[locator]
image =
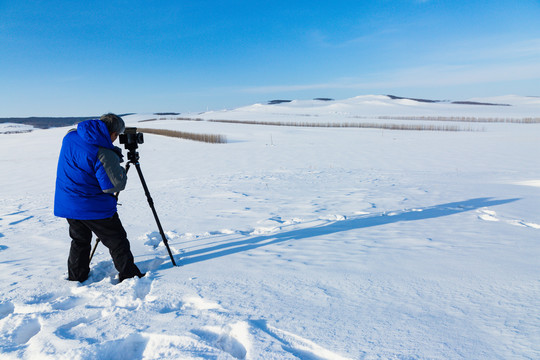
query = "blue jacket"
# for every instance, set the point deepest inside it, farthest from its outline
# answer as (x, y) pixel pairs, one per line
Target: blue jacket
(88, 174)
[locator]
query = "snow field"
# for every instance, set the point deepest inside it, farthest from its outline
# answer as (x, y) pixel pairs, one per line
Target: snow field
(293, 243)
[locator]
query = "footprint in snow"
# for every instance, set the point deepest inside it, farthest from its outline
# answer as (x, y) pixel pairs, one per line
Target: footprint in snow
(69, 330)
(152, 239)
(152, 346)
(490, 215)
(142, 287)
(131, 347)
(172, 307)
(200, 304)
(40, 298)
(67, 302)
(487, 215)
(103, 269)
(524, 224)
(295, 344)
(18, 330)
(226, 338)
(6, 308)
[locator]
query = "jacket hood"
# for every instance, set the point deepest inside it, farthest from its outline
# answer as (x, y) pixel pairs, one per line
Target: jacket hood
(95, 132)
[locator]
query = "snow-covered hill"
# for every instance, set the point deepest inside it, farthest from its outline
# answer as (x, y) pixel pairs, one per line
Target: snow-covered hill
(293, 242)
(383, 105)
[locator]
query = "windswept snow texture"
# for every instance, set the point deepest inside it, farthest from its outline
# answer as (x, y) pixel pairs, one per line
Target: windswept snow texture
(293, 243)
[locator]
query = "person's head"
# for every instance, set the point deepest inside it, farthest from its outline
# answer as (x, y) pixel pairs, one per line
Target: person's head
(115, 125)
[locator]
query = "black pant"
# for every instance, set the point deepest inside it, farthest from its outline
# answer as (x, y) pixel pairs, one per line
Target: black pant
(112, 234)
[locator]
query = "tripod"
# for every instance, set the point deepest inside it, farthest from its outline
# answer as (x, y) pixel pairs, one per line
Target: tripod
(133, 158)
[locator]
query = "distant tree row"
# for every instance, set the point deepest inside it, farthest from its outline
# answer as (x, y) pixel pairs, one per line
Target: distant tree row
(527, 120)
(361, 125)
(208, 138)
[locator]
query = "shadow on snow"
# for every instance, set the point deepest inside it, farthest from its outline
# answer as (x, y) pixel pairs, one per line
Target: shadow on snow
(360, 222)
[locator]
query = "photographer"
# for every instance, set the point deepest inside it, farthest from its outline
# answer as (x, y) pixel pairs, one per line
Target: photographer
(88, 176)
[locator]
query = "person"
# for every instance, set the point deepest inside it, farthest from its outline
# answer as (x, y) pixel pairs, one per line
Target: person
(88, 176)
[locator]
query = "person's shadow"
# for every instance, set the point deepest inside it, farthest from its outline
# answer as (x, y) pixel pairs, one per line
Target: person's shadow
(364, 221)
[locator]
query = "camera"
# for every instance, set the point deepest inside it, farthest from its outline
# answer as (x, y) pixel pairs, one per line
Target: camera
(131, 138)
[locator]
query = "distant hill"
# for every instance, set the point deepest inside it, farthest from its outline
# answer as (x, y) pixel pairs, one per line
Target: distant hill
(46, 122)
(42, 122)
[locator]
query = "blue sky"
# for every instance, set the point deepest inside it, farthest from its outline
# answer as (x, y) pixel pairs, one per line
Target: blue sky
(70, 58)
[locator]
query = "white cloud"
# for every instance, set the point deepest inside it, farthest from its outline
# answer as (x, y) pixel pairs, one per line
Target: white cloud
(503, 62)
(426, 76)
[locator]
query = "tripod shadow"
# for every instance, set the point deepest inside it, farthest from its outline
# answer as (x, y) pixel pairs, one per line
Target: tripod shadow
(234, 247)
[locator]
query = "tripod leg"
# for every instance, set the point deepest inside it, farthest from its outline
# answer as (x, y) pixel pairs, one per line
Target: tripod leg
(94, 250)
(151, 203)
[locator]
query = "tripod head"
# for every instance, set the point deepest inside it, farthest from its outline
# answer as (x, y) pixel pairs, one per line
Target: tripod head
(131, 140)
(133, 156)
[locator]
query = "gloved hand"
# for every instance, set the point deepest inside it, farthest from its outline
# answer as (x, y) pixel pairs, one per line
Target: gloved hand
(118, 152)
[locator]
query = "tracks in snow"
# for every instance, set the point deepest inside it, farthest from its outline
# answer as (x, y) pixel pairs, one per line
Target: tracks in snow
(490, 215)
(95, 321)
(103, 319)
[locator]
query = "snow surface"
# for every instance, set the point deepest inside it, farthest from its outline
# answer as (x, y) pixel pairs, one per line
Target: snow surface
(293, 243)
